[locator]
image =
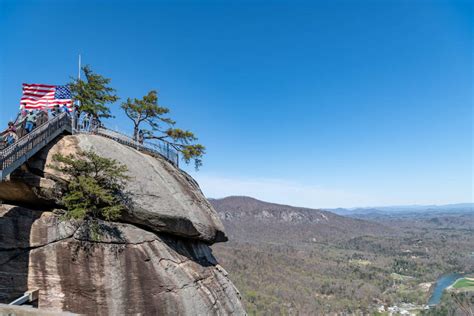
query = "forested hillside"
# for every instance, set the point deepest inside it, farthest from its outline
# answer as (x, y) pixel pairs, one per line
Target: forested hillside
(294, 260)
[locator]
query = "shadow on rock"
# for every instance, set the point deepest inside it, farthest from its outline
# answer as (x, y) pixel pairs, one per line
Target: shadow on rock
(194, 250)
(15, 229)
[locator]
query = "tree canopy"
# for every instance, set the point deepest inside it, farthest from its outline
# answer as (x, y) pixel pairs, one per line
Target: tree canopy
(150, 120)
(145, 110)
(149, 117)
(95, 186)
(93, 93)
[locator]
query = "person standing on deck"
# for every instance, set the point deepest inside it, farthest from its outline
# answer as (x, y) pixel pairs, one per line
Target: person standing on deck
(30, 121)
(21, 123)
(11, 127)
(94, 125)
(86, 121)
(11, 138)
(77, 117)
(55, 111)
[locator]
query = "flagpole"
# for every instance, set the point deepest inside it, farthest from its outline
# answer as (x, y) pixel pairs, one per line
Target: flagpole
(75, 119)
(79, 68)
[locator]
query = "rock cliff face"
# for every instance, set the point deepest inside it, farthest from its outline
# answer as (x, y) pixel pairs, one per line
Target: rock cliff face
(155, 261)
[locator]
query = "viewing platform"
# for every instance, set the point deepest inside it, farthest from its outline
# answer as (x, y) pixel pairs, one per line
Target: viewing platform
(13, 156)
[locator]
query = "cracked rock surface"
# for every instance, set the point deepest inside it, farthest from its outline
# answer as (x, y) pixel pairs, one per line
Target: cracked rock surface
(125, 270)
(156, 261)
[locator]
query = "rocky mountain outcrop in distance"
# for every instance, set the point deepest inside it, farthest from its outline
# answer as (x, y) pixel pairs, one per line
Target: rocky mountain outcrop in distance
(407, 211)
(249, 218)
(241, 206)
(347, 263)
(156, 261)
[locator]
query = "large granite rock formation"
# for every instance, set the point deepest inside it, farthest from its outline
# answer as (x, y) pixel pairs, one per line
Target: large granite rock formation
(165, 199)
(156, 261)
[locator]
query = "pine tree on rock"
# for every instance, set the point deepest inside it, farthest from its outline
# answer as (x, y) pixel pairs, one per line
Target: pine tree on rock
(149, 118)
(93, 93)
(95, 186)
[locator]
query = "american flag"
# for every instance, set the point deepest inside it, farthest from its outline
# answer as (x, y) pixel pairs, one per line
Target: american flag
(38, 96)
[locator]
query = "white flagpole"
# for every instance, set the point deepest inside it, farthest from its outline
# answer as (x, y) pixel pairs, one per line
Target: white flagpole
(75, 122)
(79, 68)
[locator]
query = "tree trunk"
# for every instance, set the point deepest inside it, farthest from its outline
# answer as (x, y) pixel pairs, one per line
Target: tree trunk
(135, 132)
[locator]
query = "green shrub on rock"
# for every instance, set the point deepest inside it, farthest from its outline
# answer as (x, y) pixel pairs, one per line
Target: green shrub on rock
(94, 188)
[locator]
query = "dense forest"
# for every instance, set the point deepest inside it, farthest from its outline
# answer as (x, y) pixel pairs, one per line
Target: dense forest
(285, 260)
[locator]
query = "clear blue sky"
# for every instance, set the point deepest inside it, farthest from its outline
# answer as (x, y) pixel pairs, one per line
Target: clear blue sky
(320, 104)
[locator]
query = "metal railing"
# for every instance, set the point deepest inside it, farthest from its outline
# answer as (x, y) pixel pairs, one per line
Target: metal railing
(15, 155)
(154, 148)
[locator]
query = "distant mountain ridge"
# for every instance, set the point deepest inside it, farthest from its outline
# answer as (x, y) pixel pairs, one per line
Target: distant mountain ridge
(249, 218)
(290, 260)
(241, 206)
(406, 209)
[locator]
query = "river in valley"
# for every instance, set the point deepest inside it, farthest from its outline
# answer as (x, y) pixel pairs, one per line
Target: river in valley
(442, 283)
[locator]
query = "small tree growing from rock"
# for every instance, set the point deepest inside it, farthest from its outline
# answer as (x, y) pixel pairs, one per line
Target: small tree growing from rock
(94, 93)
(148, 116)
(145, 111)
(94, 188)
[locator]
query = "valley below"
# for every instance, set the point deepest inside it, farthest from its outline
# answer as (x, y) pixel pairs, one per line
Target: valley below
(289, 260)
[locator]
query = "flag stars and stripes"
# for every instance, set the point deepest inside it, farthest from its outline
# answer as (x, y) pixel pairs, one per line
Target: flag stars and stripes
(62, 92)
(37, 96)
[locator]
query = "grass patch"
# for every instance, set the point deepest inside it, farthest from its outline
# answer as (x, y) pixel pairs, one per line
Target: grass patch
(360, 262)
(463, 283)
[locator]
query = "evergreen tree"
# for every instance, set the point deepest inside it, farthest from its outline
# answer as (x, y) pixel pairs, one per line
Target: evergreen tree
(95, 186)
(145, 110)
(93, 93)
(148, 116)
